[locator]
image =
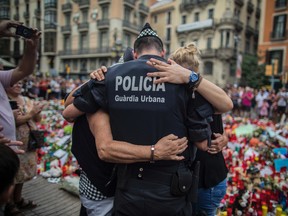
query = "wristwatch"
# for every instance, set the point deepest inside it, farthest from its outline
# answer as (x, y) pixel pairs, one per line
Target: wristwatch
(193, 79)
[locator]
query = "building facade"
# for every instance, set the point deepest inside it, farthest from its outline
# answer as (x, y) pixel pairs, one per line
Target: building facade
(223, 30)
(78, 36)
(273, 41)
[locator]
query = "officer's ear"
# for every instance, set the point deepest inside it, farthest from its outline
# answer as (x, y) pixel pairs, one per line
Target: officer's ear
(135, 55)
(163, 53)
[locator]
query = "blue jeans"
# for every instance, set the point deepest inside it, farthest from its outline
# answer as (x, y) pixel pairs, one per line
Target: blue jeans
(210, 198)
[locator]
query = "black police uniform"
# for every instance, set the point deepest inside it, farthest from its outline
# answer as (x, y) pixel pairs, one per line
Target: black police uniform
(142, 113)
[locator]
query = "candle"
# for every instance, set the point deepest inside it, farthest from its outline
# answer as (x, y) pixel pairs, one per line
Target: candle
(278, 211)
(224, 213)
(264, 210)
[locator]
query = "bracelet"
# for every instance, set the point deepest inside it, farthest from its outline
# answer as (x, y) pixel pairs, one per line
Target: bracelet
(152, 154)
(198, 82)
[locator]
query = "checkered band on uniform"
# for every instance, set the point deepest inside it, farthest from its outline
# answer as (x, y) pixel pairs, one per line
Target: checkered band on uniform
(147, 32)
(87, 189)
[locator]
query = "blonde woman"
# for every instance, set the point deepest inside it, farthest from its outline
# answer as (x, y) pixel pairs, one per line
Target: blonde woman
(213, 170)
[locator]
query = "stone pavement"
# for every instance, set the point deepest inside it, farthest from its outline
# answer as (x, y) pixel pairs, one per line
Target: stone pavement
(50, 199)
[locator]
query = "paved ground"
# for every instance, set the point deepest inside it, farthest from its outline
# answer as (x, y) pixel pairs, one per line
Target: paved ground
(50, 199)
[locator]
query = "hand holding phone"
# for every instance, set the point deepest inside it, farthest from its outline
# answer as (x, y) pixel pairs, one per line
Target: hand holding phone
(13, 105)
(24, 31)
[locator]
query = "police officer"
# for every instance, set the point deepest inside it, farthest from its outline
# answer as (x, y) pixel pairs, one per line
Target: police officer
(96, 193)
(142, 112)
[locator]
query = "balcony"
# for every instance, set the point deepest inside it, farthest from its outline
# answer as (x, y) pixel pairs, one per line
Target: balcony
(84, 26)
(190, 4)
(37, 12)
(100, 2)
(250, 7)
(186, 5)
(84, 4)
(128, 26)
(66, 29)
(26, 15)
(278, 36)
(209, 53)
(143, 8)
(233, 21)
(249, 31)
(226, 53)
(239, 2)
(195, 26)
(50, 5)
(16, 17)
(130, 3)
(50, 26)
(67, 8)
(258, 12)
(103, 23)
(99, 51)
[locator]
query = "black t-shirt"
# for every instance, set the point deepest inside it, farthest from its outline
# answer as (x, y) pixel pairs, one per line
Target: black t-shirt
(84, 149)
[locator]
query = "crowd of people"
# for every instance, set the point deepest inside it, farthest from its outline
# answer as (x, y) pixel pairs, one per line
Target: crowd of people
(247, 101)
(158, 145)
(259, 103)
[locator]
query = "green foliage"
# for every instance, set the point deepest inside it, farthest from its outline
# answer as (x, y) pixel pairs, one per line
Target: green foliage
(253, 75)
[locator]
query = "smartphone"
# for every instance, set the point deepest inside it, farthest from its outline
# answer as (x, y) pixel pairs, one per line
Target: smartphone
(13, 105)
(24, 31)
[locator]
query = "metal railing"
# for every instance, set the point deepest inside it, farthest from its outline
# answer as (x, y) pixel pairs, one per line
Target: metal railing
(26, 15)
(144, 8)
(130, 25)
(66, 28)
(208, 53)
(67, 7)
(279, 35)
(132, 2)
(50, 26)
(83, 3)
(51, 4)
(98, 50)
(103, 23)
(83, 26)
(239, 2)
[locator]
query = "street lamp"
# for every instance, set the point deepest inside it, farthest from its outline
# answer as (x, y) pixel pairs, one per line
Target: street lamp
(238, 73)
(117, 50)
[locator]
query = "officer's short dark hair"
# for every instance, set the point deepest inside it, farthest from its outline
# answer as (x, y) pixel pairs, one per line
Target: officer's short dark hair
(148, 43)
(9, 165)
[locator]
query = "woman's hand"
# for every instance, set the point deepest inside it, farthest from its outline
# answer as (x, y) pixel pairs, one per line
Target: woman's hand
(99, 73)
(5, 26)
(171, 72)
(36, 109)
(218, 143)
